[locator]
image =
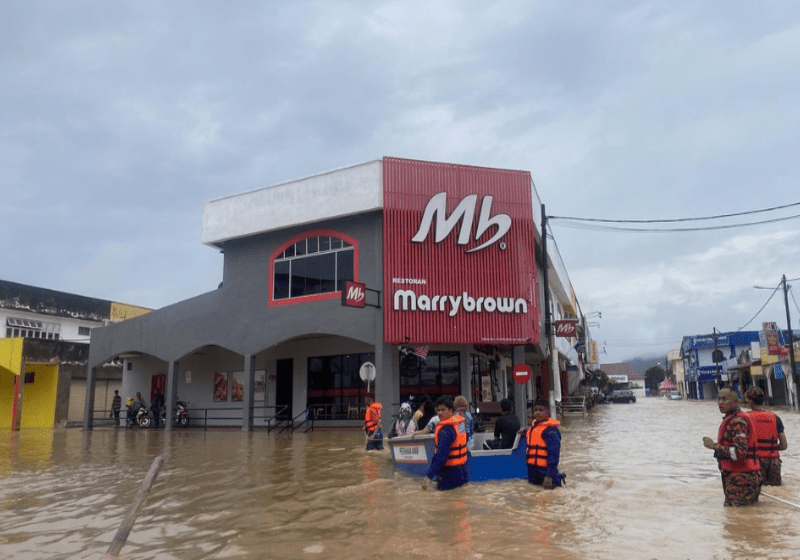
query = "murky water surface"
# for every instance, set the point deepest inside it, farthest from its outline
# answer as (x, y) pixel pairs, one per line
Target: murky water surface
(640, 486)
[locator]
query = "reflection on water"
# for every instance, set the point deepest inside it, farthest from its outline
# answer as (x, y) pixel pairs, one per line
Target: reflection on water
(640, 485)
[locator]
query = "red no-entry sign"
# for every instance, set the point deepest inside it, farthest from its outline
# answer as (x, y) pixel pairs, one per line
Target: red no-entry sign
(522, 373)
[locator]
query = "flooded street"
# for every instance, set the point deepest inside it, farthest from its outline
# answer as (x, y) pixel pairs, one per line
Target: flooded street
(640, 485)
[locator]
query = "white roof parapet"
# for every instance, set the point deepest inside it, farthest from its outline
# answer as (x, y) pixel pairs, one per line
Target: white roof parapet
(342, 192)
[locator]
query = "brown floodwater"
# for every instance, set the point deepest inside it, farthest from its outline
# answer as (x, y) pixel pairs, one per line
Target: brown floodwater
(640, 486)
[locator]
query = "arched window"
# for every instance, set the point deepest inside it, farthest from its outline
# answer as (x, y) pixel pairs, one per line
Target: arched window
(313, 266)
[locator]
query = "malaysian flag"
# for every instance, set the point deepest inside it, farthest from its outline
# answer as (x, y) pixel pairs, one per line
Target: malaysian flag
(421, 351)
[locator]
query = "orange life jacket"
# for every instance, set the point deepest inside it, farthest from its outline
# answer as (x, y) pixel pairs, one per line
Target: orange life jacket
(458, 449)
(766, 427)
(747, 463)
(536, 446)
(372, 419)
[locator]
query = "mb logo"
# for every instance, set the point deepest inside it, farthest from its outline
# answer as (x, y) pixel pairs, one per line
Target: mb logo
(354, 294)
(465, 213)
(565, 328)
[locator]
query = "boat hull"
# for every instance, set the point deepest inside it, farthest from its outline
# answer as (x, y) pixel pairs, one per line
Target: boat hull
(414, 455)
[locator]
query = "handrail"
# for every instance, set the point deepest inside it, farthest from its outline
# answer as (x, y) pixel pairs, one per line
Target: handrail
(306, 415)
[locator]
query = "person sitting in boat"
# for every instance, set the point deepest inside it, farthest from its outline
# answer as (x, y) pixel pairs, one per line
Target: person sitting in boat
(404, 425)
(372, 423)
(505, 428)
(462, 409)
(449, 463)
(429, 428)
(543, 441)
(427, 410)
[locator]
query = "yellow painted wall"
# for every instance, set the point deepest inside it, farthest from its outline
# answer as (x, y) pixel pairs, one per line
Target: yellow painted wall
(10, 363)
(11, 354)
(6, 398)
(122, 311)
(39, 397)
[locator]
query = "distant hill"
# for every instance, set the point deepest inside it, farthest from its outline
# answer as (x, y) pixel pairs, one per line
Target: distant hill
(640, 365)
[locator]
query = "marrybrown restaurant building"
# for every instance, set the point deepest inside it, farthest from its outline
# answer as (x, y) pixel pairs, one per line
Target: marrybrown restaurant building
(430, 271)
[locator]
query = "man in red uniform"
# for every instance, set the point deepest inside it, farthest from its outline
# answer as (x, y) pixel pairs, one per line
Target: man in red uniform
(449, 463)
(372, 423)
(735, 450)
(770, 439)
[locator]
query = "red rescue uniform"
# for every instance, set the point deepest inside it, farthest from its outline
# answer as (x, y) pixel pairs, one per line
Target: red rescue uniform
(749, 461)
(766, 427)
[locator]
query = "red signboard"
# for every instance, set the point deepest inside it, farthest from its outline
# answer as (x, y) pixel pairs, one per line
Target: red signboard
(459, 255)
(565, 328)
(522, 373)
(771, 334)
(354, 294)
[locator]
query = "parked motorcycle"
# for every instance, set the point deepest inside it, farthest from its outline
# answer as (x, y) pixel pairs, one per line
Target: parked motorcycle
(181, 418)
(139, 417)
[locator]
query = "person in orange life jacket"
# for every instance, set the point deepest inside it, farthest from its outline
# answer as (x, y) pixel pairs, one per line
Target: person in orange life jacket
(770, 439)
(543, 443)
(449, 463)
(372, 423)
(735, 449)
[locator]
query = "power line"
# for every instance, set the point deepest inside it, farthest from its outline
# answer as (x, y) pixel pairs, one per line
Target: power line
(577, 224)
(673, 220)
(794, 300)
(762, 308)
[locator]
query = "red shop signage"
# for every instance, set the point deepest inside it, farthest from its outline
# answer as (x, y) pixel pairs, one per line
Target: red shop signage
(354, 294)
(565, 328)
(459, 263)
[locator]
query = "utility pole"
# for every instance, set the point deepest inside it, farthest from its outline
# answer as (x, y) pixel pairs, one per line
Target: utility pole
(718, 375)
(554, 379)
(791, 342)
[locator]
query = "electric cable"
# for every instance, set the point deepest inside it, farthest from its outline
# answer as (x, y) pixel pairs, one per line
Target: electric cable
(577, 224)
(794, 300)
(762, 308)
(672, 220)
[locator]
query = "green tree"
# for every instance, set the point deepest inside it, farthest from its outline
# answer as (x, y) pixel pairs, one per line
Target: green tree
(653, 377)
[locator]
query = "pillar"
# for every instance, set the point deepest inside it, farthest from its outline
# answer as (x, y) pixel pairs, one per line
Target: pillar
(172, 393)
(91, 380)
(249, 387)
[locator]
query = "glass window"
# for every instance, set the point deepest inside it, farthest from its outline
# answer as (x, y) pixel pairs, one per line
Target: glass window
(280, 286)
(344, 267)
(437, 374)
(316, 265)
(335, 389)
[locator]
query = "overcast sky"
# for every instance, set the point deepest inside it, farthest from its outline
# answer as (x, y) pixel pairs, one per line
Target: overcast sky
(119, 120)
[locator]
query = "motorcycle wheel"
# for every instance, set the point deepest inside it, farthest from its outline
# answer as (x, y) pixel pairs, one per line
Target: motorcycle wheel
(144, 422)
(184, 421)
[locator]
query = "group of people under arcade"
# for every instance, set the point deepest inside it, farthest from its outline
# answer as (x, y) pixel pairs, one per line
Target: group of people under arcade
(748, 447)
(453, 426)
(134, 404)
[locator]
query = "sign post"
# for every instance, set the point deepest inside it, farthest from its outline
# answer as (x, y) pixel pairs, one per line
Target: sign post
(367, 373)
(522, 373)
